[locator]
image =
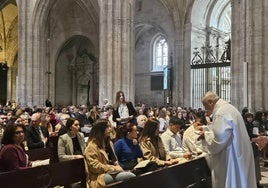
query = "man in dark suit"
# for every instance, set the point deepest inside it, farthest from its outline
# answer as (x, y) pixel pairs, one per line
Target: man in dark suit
(36, 135)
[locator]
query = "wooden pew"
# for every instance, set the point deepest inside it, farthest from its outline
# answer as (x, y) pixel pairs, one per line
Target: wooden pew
(63, 173)
(45, 153)
(192, 174)
(39, 154)
(54, 150)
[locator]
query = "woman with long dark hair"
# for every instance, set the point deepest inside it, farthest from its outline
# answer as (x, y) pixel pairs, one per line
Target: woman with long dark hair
(123, 111)
(152, 145)
(101, 162)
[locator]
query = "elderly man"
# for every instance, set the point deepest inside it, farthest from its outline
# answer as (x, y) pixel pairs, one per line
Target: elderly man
(36, 135)
(230, 152)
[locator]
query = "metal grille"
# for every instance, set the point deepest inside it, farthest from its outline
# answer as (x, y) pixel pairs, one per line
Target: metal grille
(210, 74)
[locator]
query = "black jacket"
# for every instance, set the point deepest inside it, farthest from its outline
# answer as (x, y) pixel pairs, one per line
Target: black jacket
(33, 137)
(131, 111)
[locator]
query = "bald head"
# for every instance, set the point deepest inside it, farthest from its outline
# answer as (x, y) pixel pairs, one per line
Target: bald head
(209, 101)
(36, 119)
(210, 97)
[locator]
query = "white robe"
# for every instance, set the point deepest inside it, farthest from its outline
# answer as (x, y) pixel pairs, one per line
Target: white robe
(230, 152)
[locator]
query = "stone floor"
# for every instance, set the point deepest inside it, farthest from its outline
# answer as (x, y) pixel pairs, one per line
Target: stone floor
(264, 174)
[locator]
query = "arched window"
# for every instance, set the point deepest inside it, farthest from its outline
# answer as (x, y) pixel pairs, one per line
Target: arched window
(160, 54)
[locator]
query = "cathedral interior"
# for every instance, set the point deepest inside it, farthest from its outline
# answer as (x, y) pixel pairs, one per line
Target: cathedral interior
(159, 52)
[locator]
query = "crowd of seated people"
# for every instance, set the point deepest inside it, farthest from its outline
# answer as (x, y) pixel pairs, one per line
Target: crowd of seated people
(112, 139)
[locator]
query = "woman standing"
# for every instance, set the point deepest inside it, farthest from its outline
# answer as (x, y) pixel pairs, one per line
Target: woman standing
(123, 111)
(71, 145)
(12, 154)
(100, 160)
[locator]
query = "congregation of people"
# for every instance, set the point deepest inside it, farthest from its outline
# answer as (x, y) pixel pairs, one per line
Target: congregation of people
(114, 139)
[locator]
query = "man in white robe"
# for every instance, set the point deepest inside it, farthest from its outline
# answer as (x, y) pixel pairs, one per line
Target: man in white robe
(230, 152)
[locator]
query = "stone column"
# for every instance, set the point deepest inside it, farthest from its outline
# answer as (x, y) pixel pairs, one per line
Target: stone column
(116, 63)
(25, 79)
(30, 85)
(250, 44)
(186, 68)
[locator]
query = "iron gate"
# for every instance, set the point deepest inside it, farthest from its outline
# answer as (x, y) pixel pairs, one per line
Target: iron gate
(210, 74)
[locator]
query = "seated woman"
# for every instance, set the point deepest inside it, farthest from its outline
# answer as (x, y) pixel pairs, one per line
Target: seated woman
(71, 145)
(45, 121)
(152, 145)
(100, 160)
(93, 115)
(60, 128)
(127, 148)
(12, 154)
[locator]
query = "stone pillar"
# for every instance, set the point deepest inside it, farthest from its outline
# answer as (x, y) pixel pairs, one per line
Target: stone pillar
(181, 65)
(250, 44)
(30, 82)
(24, 84)
(186, 61)
(116, 62)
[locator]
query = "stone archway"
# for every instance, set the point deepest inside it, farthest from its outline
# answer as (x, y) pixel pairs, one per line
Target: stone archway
(76, 73)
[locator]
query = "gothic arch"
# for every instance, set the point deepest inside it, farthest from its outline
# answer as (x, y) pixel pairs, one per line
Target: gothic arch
(8, 49)
(214, 15)
(76, 72)
(50, 32)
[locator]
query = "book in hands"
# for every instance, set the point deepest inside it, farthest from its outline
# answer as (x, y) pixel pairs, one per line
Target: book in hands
(142, 164)
(40, 162)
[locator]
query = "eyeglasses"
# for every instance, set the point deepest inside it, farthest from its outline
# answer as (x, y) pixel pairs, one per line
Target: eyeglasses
(19, 132)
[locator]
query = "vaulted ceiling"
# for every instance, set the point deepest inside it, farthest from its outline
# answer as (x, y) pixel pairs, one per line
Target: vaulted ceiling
(8, 30)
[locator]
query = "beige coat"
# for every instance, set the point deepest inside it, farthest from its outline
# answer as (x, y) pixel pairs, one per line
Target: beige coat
(150, 152)
(65, 146)
(97, 164)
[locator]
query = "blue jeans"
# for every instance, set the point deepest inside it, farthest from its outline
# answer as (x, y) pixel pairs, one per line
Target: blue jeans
(117, 176)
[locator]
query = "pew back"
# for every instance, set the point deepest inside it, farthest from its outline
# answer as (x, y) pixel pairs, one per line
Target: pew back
(194, 174)
(45, 153)
(63, 173)
(39, 154)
